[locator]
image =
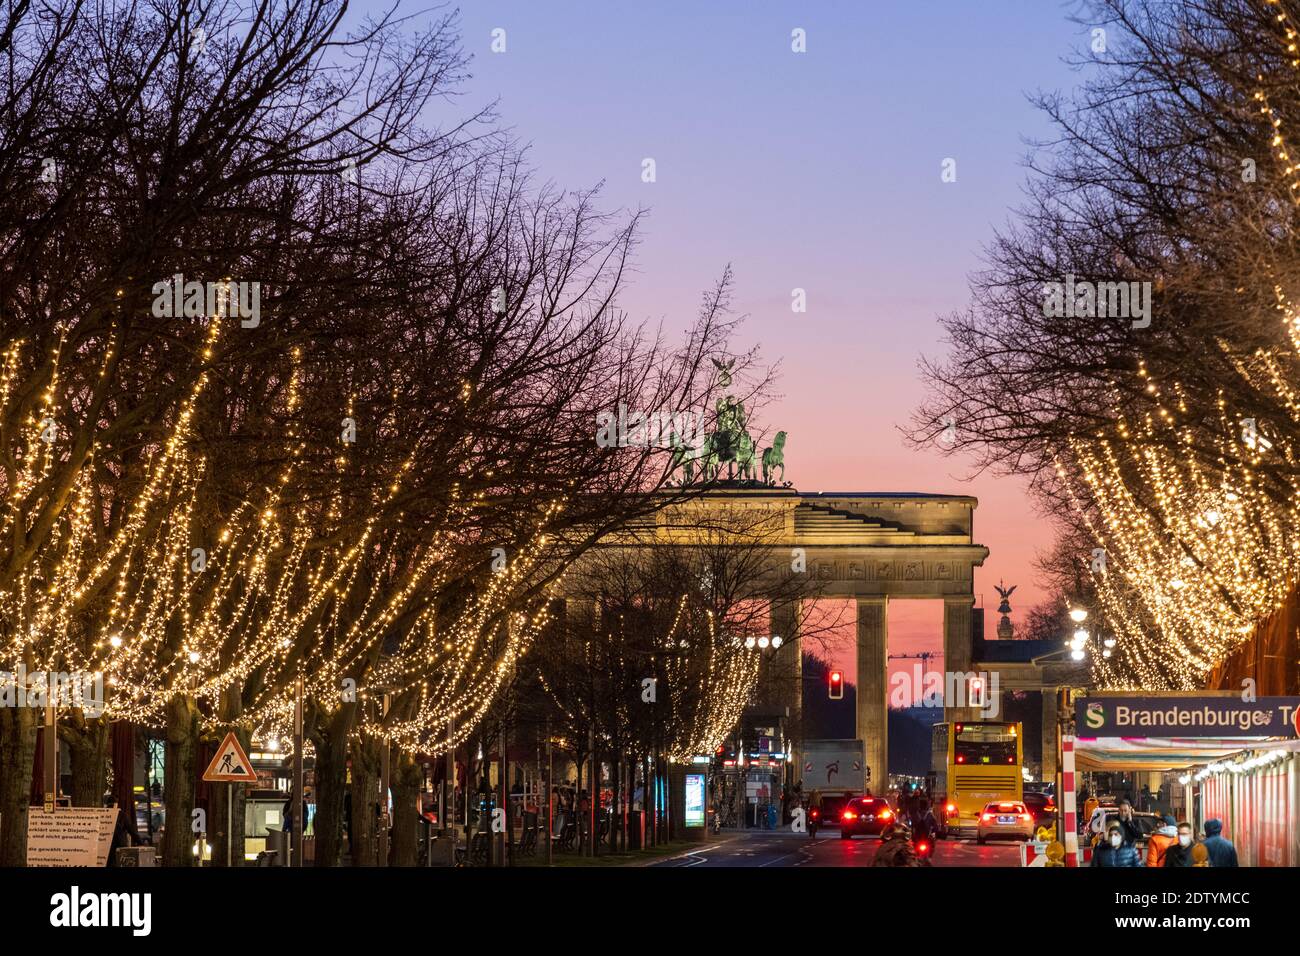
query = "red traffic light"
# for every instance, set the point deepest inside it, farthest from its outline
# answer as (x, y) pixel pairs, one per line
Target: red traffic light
(837, 685)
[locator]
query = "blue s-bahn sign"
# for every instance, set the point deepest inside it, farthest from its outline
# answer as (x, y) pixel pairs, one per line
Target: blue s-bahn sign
(1191, 716)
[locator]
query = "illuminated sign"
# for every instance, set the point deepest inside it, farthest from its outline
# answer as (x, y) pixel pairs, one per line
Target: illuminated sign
(1186, 716)
(695, 789)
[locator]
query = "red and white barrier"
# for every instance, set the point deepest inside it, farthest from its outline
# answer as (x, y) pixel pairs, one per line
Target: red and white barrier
(1034, 853)
(1068, 809)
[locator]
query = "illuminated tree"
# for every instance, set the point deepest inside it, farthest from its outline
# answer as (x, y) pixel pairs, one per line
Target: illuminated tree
(1169, 438)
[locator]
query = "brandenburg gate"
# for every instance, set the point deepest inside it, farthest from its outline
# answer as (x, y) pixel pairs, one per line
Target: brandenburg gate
(871, 547)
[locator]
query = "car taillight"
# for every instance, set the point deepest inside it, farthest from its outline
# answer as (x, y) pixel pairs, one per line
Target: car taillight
(923, 848)
(987, 817)
(1026, 817)
(850, 815)
(951, 808)
(885, 814)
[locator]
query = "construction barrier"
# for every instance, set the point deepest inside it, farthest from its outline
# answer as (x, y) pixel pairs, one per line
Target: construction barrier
(1034, 853)
(1258, 800)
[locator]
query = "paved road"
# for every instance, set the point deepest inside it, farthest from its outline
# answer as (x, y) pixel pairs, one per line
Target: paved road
(764, 848)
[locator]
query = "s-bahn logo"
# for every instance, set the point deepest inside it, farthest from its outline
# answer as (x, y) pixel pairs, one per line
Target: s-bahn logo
(1095, 717)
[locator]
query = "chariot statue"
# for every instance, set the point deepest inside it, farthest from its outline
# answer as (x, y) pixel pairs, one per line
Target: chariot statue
(730, 444)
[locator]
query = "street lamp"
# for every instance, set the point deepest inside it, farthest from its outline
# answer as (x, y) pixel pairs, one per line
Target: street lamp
(1078, 615)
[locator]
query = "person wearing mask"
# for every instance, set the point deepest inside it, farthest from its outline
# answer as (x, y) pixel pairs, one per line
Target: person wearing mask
(1160, 842)
(1127, 824)
(1220, 848)
(1113, 851)
(1179, 853)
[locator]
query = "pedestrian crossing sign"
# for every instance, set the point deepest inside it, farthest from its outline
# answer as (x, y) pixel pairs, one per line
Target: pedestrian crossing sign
(230, 764)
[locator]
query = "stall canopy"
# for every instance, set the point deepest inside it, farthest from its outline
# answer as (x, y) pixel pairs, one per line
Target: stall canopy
(1157, 753)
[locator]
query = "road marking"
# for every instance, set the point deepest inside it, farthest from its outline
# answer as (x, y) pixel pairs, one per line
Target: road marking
(691, 853)
(806, 852)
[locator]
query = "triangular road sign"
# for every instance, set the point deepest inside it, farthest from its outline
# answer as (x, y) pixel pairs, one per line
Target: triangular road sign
(230, 764)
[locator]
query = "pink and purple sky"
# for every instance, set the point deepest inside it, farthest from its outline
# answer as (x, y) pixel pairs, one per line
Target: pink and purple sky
(816, 170)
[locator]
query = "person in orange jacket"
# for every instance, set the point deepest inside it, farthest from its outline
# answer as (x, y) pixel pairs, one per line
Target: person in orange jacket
(1160, 841)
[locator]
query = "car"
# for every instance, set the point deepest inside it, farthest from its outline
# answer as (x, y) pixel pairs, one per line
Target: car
(1005, 818)
(865, 816)
(1041, 807)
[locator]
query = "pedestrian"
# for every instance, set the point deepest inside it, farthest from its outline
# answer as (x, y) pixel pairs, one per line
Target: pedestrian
(287, 815)
(1114, 851)
(121, 833)
(1160, 842)
(1180, 853)
(1128, 825)
(1219, 847)
(923, 821)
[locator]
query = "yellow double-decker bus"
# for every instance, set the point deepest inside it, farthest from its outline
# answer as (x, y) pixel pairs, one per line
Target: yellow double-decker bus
(975, 762)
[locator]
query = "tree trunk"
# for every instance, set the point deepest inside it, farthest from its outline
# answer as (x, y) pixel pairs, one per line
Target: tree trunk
(18, 726)
(365, 800)
(407, 780)
(87, 742)
(178, 781)
(331, 785)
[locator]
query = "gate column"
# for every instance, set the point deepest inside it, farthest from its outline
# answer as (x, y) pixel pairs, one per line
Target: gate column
(872, 688)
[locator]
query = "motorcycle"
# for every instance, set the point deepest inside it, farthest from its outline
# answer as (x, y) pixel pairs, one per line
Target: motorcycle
(899, 846)
(923, 847)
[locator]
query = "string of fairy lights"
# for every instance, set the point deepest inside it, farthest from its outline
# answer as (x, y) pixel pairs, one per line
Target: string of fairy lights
(276, 596)
(705, 677)
(1197, 518)
(1195, 554)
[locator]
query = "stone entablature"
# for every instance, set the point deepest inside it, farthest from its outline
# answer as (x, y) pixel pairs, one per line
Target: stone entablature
(869, 546)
